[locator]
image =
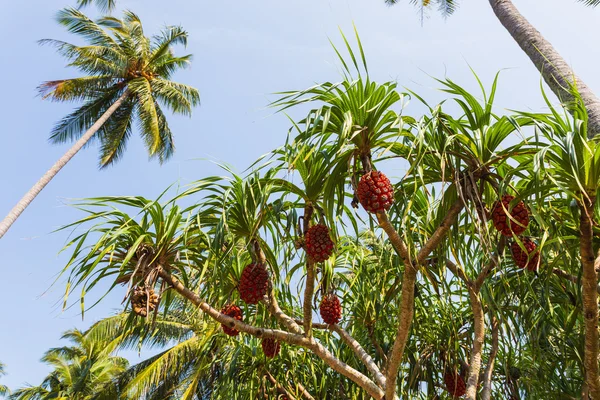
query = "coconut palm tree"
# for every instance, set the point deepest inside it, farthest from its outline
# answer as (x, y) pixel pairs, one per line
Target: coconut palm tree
(3, 389)
(553, 67)
(127, 79)
(78, 371)
(104, 5)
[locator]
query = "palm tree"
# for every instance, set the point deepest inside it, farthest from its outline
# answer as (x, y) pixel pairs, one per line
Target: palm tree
(554, 68)
(104, 5)
(127, 79)
(79, 371)
(3, 389)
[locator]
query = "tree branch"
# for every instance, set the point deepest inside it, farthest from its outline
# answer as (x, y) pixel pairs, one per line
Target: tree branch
(360, 352)
(478, 340)
(489, 369)
(361, 380)
(408, 287)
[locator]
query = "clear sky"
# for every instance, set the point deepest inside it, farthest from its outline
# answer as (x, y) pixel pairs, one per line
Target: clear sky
(243, 52)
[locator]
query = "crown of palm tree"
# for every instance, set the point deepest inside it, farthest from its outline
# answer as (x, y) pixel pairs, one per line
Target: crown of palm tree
(119, 60)
(79, 371)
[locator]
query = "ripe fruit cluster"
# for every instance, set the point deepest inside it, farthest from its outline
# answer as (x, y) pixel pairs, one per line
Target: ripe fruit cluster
(233, 311)
(254, 283)
(318, 243)
(331, 309)
(143, 301)
(509, 221)
(527, 258)
(270, 347)
(455, 384)
(375, 192)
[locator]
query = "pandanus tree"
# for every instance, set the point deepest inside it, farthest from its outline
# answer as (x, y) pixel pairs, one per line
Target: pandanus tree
(461, 278)
(78, 371)
(126, 81)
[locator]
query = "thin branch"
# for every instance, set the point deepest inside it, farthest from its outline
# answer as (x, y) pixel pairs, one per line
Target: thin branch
(440, 232)
(489, 369)
(395, 239)
(360, 352)
(304, 392)
(277, 385)
(309, 290)
(478, 341)
(569, 277)
(459, 272)
(276, 311)
(491, 265)
(361, 380)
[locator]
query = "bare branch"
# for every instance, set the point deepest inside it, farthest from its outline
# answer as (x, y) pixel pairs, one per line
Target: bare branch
(489, 369)
(360, 352)
(361, 380)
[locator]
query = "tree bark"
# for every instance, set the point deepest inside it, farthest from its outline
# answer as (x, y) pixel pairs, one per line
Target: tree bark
(489, 369)
(554, 69)
(478, 340)
(589, 295)
(51, 173)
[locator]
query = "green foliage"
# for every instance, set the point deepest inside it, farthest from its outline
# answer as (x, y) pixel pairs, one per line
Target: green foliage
(79, 372)
(119, 61)
(472, 156)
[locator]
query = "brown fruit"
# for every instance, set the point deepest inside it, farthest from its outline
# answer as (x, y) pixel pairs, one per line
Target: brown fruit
(331, 309)
(520, 216)
(525, 259)
(233, 311)
(142, 301)
(254, 283)
(270, 347)
(455, 384)
(318, 245)
(375, 192)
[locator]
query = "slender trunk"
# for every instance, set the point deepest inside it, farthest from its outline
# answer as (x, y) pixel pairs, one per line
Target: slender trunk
(553, 67)
(489, 369)
(310, 275)
(37, 188)
(589, 295)
(478, 340)
(407, 296)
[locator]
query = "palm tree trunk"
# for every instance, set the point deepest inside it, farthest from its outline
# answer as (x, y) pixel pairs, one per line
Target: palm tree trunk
(51, 173)
(553, 67)
(590, 296)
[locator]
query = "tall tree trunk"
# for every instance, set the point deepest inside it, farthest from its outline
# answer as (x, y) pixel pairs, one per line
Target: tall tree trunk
(553, 67)
(51, 173)
(590, 295)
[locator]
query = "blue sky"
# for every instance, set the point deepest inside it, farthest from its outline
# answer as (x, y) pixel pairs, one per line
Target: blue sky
(243, 52)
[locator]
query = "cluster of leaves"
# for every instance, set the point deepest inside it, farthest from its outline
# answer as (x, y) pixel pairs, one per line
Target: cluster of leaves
(474, 157)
